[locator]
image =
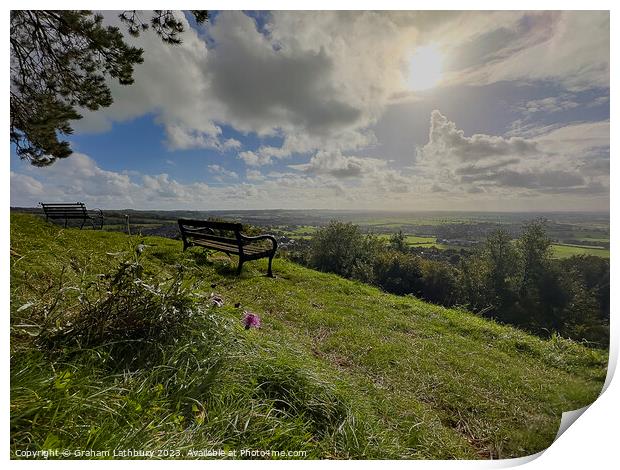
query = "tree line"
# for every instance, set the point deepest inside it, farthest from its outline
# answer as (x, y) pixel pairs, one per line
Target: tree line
(512, 280)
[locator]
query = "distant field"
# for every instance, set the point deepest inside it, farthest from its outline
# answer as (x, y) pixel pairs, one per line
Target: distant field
(414, 240)
(565, 251)
(304, 230)
(397, 222)
(593, 239)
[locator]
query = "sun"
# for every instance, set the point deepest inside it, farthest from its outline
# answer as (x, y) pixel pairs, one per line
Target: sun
(425, 68)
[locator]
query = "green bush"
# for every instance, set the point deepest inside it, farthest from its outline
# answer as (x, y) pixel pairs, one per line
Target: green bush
(398, 273)
(440, 283)
(343, 249)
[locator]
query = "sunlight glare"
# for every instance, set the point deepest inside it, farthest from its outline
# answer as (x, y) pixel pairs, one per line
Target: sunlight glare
(425, 68)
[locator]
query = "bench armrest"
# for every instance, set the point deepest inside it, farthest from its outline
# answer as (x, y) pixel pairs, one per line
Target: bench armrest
(271, 238)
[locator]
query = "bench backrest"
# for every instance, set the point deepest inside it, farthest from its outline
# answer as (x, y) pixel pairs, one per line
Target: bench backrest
(210, 230)
(64, 209)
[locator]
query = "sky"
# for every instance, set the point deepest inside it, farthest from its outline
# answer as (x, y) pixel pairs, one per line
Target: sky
(399, 110)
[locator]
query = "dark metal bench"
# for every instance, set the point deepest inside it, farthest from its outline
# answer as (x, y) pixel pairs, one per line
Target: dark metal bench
(213, 235)
(72, 211)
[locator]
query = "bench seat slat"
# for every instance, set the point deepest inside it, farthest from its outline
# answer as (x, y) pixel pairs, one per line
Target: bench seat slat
(230, 247)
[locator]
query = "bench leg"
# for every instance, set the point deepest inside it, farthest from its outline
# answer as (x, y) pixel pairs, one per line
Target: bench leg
(240, 266)
(269, 273)
(82, 226)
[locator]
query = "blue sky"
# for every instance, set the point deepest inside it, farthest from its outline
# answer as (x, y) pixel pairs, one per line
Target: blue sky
(324, 110)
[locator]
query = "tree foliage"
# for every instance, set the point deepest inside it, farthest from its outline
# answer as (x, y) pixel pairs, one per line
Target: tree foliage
(60, 62)
(398, 242)
(343, 249)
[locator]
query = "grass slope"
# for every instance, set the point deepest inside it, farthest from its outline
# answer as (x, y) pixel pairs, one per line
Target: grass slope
(338, 370)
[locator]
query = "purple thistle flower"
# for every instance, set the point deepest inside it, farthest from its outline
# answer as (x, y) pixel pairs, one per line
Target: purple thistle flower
(250, 320)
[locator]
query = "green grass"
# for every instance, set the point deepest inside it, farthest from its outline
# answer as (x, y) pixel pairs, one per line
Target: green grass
(413, 240)
(339, 369)
(565, 251)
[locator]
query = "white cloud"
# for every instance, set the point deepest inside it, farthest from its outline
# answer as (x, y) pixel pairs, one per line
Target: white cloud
(306, 94)
(254, 175)
(316, 82)
(25, 188)
(222, 172)
(570, 48)
(551, 104)
(569, 159)
(514, 186)
(320, 79)
(340, 166)
(183, 138)
(575, 138)
(446, 141)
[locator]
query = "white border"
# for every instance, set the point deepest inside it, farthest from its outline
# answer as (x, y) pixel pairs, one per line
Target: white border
(590, 442)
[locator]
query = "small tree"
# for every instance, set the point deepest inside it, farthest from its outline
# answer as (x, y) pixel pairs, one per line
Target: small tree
(440, 283)
(343, 249)
(535, 248)
(398, 273)
(473, 281)
(503, 272)
(398, 242)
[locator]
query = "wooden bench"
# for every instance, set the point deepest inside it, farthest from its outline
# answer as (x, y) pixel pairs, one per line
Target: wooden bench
(72, 211)
(214, 236)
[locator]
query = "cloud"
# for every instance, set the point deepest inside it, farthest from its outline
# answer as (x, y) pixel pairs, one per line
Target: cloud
(312, 85)
(318, 80)
(222, 172)
(79, 178)
(340, 166)
(568, 159)
(300, 144)
(182, 138)
(575, 138)
(531, 179)
(268, 82)
(254, 175)
(264, 88)
(570, 48)
(550, 104)
(370, 174)
(447, 141)
(482, 169)
(252, 158)
(24, 187)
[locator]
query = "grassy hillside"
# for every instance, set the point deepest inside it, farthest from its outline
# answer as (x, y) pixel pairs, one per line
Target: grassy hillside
(111, 349)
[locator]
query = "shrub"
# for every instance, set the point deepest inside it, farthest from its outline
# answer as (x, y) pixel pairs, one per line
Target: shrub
(342, 248)
(398, 273)
(119, 307)
(440, 283)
